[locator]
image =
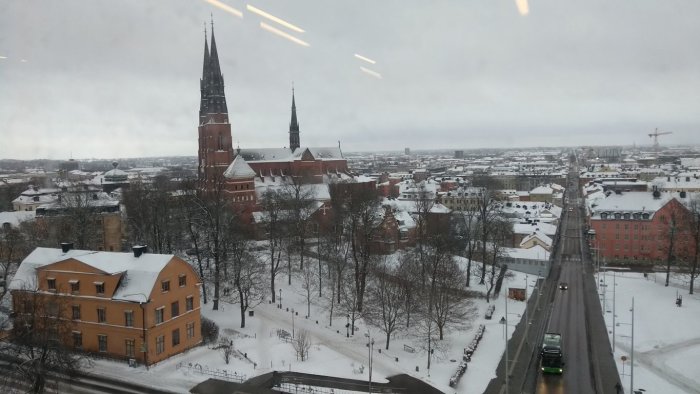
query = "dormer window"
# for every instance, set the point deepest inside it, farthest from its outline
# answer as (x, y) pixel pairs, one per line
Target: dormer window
(618, 216)
(99, 288)
(626, 216)
(645, 216)
(74, 286)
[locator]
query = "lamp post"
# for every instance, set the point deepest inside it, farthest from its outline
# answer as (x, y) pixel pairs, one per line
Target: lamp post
(292, 322)
(506, 323)
(144, 344)
(614, 285)
(632, 352)
(370, 346)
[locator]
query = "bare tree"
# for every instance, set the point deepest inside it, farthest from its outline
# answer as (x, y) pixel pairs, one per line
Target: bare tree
(298, 197)
(468, 231)
(486, 214)
(225, 345)
(14, 246)
(246, 275)
(386, 301)
(452, 307)
(42, 330)
(677, 228)
(363, 221)
(302, 344)
(275, 225)
(307, 277)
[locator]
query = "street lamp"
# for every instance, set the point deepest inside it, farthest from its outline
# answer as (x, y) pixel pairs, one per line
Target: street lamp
(144, 345)
(292, 322)
(370, 346)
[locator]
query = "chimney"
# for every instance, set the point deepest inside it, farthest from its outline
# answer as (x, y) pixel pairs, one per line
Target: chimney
(668, 179)
(683, 194)
(138, 250)
(656, 194)
(66, 246)
(687, 179)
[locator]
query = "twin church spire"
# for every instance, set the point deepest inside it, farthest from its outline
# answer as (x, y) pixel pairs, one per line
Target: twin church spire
(212, 105)
(213, 99)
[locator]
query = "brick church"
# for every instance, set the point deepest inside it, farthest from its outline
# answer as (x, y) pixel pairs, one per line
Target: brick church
(244, 174)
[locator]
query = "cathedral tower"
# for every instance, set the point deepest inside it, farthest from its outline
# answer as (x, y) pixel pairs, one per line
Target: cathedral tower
(215, 144)
(293, 127)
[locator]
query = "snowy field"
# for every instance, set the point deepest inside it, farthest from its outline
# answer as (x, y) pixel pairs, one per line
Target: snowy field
(666, 337)
(332, 353)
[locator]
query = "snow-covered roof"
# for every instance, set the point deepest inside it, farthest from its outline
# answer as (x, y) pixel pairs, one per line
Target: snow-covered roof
(239, 169)
(528, 228)
(322, 153)
(542, 190)
(539, 235)
(536, 252)
(266, 154)
(140, 273)
(631, 202)
(14, 218)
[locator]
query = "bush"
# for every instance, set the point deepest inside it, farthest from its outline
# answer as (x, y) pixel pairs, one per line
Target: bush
(210, 330)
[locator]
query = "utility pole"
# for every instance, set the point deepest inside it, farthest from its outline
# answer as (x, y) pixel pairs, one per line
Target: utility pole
(506, 323)
(632, 352)
(614, 285)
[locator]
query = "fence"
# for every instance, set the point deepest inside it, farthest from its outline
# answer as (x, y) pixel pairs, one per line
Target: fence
(216, 373)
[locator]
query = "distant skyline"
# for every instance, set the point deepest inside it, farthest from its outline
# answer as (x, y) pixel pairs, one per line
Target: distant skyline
(99, 79)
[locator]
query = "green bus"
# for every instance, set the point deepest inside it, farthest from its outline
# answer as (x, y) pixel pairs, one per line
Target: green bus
(552, 357)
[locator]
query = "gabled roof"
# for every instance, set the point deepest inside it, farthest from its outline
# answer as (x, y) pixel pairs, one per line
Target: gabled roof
(239, 169)
(140, 273)
(266, 154)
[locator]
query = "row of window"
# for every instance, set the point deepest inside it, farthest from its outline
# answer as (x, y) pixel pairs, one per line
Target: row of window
(75, 286)
(129, 315)
(626, 226)
(130, 344)
(174, 309)
(181, 281)
(625, 216)
(100, 286)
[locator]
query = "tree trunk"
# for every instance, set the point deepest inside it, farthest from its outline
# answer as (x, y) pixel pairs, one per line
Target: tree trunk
(388, 337)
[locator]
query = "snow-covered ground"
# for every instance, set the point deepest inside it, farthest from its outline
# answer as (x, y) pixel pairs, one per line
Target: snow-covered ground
(666, 337)
(332, 353)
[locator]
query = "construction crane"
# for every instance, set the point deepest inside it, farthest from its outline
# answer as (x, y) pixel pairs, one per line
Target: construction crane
(655, 135)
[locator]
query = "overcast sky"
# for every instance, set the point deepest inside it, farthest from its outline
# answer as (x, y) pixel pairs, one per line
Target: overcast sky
(95, 78)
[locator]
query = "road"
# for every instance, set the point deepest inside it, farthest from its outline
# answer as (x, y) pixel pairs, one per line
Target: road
(574, 313)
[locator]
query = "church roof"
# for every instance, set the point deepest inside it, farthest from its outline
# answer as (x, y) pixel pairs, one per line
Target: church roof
(322, 153)
(239, 169)
(266, 154)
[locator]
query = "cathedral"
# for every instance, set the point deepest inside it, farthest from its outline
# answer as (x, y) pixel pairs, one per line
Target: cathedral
(244, 174)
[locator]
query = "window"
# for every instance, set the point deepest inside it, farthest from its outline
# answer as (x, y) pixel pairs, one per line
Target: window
(102, 343)
(52, 309)
(99, 287)
(77, 339)
(101, 315)
(160, 344)
(190, 330)
(129, 345)
(182, 280)
(176, 337)
(189, 303)
(159, 315)
(174, 309)
(129, 318)
(76, 312)
(51, 283)
(74, 286)
(165, 285)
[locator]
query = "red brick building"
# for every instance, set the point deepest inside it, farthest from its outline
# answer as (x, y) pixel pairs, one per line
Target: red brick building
(638, 226)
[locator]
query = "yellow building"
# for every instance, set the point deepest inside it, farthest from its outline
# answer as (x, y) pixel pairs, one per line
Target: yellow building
(136, 305)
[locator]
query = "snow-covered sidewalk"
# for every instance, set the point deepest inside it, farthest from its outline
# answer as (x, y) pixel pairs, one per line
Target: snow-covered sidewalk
(666, 337)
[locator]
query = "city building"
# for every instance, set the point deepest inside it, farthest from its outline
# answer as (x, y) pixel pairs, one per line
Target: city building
(638, 226)
(136, 305)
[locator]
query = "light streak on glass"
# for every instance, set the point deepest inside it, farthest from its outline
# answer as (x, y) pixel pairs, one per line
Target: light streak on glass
(368, 60)
(225, 7)
(523, 7)
(371, 72)
(282, 34)
(274, 18)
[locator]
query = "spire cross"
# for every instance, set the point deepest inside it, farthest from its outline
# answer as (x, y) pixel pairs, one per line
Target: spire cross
(212, 21)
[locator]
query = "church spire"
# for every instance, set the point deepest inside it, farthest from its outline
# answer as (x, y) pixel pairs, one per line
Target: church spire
(216, 100)
(203, 82)
(294, 126)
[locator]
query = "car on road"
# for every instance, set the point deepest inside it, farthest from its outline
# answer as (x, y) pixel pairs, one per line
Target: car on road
(563, 286)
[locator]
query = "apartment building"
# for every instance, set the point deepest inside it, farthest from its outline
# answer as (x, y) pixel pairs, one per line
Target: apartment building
(136, 306)
(638, 226)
